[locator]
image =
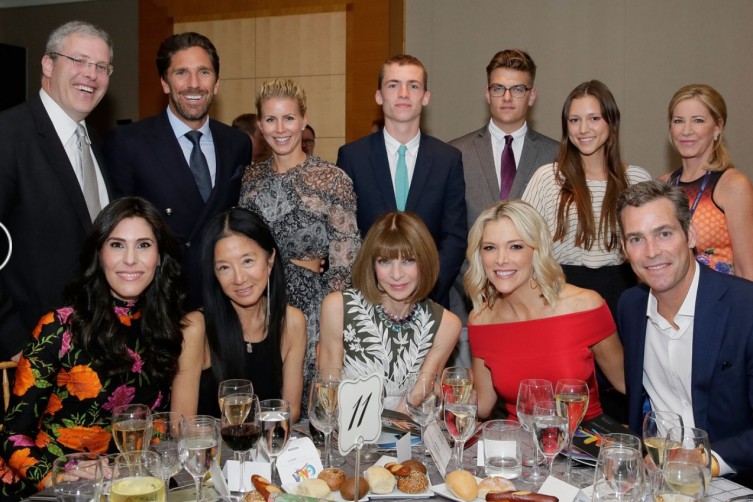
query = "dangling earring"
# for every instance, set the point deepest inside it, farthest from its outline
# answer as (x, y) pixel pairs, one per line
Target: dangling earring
(269, 298)
(533, 282)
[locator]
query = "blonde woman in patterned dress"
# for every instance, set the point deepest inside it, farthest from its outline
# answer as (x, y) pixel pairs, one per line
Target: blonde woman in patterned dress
(385, 324)
(308, 204)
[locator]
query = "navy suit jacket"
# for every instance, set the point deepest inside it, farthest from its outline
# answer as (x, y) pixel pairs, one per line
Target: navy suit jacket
(722, 366)
(43, 208)
(145, 159)
(436, 194)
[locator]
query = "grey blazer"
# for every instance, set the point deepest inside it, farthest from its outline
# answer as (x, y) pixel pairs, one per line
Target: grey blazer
(481, 185)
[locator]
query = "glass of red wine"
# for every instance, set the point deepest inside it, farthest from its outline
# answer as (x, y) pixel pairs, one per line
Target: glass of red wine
(240, 427)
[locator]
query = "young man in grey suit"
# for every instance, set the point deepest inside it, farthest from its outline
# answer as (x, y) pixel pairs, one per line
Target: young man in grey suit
(510, 94)
(186, 164)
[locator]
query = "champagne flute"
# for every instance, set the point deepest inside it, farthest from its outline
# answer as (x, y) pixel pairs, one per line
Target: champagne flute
(233, 386)
(130, 426)
(423, 401)
(549, 430)
(572, 400)
(241, 436)
(460, 419)
(198, 445)
(322, 406)
(138, 476)
(77, 477)
(165, 439)
(530, 392)
(275, 425)
(656, 425)
(692, 446)
(459, 380)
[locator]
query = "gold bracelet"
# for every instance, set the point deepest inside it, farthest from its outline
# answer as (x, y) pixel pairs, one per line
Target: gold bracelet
(714, 465)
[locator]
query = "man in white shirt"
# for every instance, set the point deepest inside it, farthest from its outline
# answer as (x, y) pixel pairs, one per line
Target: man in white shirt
(687, 331)
(51, 178)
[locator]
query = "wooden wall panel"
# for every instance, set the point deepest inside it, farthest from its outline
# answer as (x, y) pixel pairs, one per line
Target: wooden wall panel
(235, 41)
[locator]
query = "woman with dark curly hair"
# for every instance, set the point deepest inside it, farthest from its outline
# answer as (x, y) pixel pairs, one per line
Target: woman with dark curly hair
(116, 341)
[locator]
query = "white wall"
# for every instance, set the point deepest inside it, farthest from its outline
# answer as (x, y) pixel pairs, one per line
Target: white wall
(644, 50)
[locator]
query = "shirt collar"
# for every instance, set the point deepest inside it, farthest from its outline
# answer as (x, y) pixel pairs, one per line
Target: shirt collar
(687, 309)
(64, 125)
(392, 144)
(499, 135)
(180, 128)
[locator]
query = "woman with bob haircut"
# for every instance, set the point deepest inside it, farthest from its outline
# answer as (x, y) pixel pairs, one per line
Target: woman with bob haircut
(117, 341)
(720, 196)
(246, 328)
(385, 324)
(577, 194)
(308, 203)
(527, 322)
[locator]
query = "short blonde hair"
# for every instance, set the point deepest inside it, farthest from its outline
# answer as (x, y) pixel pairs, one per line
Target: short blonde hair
(280, 88)
(534, 231)
(714, 102)
(397, 235)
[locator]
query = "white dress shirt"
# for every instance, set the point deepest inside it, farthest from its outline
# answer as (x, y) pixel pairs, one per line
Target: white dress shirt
(498, 144)
(206, 143)
(410, 155)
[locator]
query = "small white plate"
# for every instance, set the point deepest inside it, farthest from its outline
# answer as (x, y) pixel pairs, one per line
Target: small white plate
(397, 494)
(445, 492)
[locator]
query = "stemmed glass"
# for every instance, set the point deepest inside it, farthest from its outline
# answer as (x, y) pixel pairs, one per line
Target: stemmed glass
(530, 392)
(618, 475)
(138, 476)
(200, 438)
(322, 406)
(77, 477)
(275, 424)
(691, 445)
(656, 425)
(460, 419)
(130, 426)
(572, 401)
(233, 386)
(165, 439)
(240, 428)
(549, 430)
(423, 401)
(459, 380)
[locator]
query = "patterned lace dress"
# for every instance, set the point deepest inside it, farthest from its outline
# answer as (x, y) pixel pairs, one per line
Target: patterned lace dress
(311, 210)
(62, 403)
(376, 346)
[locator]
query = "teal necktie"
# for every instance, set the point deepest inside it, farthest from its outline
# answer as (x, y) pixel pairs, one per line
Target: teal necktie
(401, 179)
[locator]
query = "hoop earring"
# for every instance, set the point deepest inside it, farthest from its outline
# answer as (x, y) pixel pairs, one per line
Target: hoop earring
(533, 282)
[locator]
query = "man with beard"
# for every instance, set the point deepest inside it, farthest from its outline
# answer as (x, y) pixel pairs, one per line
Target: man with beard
(186, 164)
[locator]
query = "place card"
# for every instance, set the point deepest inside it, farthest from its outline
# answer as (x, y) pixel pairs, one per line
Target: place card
(299, 461)
(359, 412)
(403, 448)
(480, 457)
(438, 448)
(232, 472)
(562, 490)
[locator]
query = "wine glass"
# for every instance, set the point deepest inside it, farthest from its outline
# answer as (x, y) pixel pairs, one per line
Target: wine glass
(241, 436)
(77, 477)
(572, 400)
(549, 430)
(233, 386)
(423, 401)
(138, 475)
(198, 445)
(689, 444)
(530, 392)
(682, 478)
(459, 380)
(621, 467)
(165, 439)
(460, 418)
(275, 425)
(656, 425)
(322, 406)
(130, 426)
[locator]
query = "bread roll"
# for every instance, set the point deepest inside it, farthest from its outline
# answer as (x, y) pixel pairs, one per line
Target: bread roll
(333, 477)
(415, 482)
(494, 484)
(348, 488)
(380, 480)
(415, 465)
(462, 484)
(316, 488)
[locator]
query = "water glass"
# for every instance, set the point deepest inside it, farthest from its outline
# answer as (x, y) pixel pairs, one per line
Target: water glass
(460, 419)
(622, 470)
(549, 430)
(502, 448)
(138, 475)
(423, 400)
(199, 444)
(165, 439)
(77, 477)
(276, 427)
(322, 406)
(531, 391)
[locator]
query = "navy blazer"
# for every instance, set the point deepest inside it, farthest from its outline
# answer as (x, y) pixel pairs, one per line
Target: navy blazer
(436, 194)
(722, 366)
(145, 159)
(43, 208)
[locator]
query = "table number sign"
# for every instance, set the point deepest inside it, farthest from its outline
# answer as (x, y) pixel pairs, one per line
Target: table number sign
(359, 412)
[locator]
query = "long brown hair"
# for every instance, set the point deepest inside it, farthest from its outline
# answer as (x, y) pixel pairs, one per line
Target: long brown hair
(572, 178)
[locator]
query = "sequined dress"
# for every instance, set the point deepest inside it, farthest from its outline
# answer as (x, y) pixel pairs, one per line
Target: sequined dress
(311, 210)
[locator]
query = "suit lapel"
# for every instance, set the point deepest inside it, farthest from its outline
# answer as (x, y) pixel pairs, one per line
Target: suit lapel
(170, 158)
(421, 173)
(57, 158)
(483, 145)
(708, 332)
(380, 166)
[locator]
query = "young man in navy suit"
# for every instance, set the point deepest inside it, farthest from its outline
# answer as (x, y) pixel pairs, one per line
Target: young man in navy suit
(432, 185)
(687, 330)
(153, 157)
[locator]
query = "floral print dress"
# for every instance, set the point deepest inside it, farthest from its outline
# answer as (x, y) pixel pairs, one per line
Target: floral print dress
(60, 403)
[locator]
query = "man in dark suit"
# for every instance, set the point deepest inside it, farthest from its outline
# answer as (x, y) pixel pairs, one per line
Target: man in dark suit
(687, 331)
(510, 93)
(188, 180)
(48, 193)
(400, 162)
